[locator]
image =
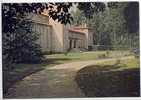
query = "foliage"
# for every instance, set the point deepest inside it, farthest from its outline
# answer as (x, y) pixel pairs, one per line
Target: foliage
(19, 42)
(57, 11)
(131, 13)
(78, 17)
(112, 26)
(20, 46)
(89, 8)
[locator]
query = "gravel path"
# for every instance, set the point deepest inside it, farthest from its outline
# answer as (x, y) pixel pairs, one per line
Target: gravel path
(57, 81)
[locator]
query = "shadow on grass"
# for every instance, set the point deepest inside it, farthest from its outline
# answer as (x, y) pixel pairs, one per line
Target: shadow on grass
(10, 77)
(108, 81)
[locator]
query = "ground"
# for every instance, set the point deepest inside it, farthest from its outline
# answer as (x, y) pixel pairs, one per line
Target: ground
(57, 78)
(121, 79)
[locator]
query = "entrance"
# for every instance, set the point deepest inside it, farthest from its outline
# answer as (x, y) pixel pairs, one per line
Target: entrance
(70, 43)
(74, 46)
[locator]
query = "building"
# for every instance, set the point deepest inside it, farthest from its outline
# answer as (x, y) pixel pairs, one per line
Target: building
(56, 37)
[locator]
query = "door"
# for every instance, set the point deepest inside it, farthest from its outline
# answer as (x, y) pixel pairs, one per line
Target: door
(70, 44)
(74, 44)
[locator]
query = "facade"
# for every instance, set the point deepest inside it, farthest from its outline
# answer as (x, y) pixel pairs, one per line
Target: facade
(56, 37)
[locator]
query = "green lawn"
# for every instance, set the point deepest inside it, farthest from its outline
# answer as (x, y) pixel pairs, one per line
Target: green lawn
(81, 56)
(128, 63)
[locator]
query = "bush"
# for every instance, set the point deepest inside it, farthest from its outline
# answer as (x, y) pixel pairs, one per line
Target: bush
(20, 46)
(102, 56)
(90, 48)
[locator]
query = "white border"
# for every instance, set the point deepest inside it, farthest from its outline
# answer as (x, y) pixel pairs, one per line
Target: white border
(30, 1)
(0, 56)
(140, 41)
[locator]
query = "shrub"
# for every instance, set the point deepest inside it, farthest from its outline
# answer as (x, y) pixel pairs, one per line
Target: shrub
(102, 56)
(90, 48)
(20, 46)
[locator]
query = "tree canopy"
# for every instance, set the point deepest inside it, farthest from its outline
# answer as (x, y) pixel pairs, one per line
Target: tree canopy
(131, 13)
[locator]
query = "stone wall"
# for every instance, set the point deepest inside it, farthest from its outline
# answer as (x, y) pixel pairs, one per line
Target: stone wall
(51, 33)
(44, 32)
(40, 25)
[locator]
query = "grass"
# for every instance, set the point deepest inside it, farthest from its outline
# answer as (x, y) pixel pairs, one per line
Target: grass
(22, 70)
(110, 79)
(130, 63)
(87, 56)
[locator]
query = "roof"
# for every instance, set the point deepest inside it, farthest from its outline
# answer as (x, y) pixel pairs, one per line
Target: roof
(41, 23)
(76, 31)
(83, 28)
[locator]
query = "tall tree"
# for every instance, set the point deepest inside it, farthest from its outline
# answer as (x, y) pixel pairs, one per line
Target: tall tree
(131, 14)
(112, 22)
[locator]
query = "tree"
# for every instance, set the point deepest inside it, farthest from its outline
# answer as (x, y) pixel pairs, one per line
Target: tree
(131, 14)
(20, 46)
(112, 22)
(78, 17)
(89, 8)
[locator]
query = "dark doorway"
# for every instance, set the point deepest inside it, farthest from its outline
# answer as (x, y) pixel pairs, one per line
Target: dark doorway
(74, 44)
(70, 44)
